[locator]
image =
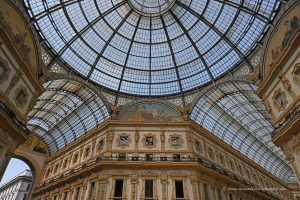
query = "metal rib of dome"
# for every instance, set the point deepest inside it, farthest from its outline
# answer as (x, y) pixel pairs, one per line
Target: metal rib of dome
(151, 47)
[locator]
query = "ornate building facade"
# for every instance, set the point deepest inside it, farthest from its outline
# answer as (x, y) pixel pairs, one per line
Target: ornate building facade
(160, 100)
(17, 188)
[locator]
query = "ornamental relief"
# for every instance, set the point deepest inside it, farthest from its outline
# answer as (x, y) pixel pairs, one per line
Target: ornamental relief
(296, 74)
(21, 96)
(287, 85)
(123, 140)
(279, 99)
(175, 141)
(4, 70)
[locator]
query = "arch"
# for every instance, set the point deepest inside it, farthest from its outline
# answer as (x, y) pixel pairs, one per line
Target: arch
(18, 13)
(232, 111)
(66, 110)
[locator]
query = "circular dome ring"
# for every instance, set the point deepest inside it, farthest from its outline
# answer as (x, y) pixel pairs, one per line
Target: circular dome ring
(152, 47)
(151, 8)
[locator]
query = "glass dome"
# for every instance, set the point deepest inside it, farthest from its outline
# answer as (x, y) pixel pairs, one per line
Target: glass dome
(151, 47)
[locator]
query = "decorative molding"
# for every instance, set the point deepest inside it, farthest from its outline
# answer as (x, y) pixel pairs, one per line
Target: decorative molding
(287, 85)
(21, 96)
(280, 106)
(123, 140)
(179, 141)
(5, 73)
(296, 74)
(152, 137)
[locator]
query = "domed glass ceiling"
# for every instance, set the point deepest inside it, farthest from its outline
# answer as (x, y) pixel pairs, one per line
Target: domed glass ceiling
(151, 47)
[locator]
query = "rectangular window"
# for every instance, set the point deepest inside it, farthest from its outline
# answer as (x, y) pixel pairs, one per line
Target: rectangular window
(176, 157)
(148, 189)
(118, 189)
(149, 157)
(122, 156)
(219, 194)
(65, 196)
(205, 187)
(179, 189)
(230, 197)
(92, 191)
(149, 141)
(175, 141)
(55, 197)
(76, 194)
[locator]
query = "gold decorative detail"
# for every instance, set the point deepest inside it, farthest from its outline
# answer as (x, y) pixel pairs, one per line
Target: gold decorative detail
(279, 99)
(17, 38)
(175, 141)
(99, 145)
(210, 153)
(21, 96)
(149, 141)
(221, 159)
(123, 140)
(287, 85)
(4, 70)
(198, 146)
(87, 152)
(296, 74)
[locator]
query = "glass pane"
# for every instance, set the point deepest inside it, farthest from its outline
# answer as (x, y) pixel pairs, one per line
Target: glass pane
(179, 189)
(148, 188)
(118, 188)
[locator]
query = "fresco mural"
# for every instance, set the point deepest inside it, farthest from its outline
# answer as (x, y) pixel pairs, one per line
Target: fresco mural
(283, 32)
(149, 112)
(33, 144)
(15, 28)
(292, 25)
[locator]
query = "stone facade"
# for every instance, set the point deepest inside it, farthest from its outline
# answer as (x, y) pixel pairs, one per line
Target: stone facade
(18, 188)
(117, 151)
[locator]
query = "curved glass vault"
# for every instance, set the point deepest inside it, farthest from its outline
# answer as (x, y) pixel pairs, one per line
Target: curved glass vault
(64, 112)
(156, 47)
(234, 113)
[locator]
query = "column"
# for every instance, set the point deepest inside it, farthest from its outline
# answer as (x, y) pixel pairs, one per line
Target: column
(109, 140)
(134, 183)
(162, 140)
(101, 187)
(164, 183)
(189, 139)
(195, 187)
(136, 142)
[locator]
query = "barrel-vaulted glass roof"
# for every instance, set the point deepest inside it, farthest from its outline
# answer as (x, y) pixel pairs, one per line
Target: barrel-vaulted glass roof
(151, 47)
(65, 111)
(234, 113)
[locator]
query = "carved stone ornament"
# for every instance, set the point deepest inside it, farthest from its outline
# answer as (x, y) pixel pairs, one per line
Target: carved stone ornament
(296, 74)
(287, 85)
(279, 99)
(21, 96)
(4, 70)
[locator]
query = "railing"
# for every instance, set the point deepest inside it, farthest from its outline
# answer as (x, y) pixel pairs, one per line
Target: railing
(133, 159)
(288, 120)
